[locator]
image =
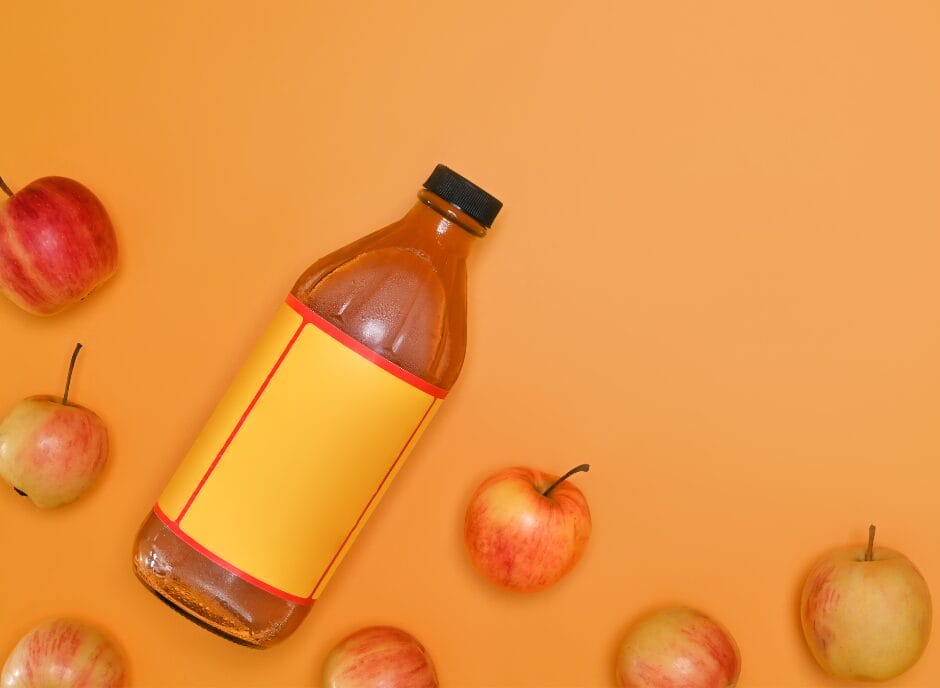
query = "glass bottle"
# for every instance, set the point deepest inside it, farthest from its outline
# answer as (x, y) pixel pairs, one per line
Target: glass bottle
(314, 427)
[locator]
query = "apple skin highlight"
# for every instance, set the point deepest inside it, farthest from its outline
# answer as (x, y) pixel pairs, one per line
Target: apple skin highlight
(67, 654)
(866, 619)
(379, 657)
(521, 539)
(50, 451)
(678, 647)
(57, 244)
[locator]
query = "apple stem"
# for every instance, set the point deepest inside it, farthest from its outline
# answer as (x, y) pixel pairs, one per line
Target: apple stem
(6, 189)
(583, 468)
(870, 552)
(20, 492)
(68, 380)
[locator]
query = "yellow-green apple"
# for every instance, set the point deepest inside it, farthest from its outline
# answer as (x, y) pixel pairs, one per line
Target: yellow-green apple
(866, 612)
(524, 529)
(678, 647)
(56, 244)
(64, 653)
(51, 450)
(379, 657)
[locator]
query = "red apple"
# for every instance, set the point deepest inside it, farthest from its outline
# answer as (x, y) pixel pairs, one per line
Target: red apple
(678, 647)
(56, 244)
(525, 529)
(52, 450)
(379, 657)
(66, 654)
(866, 613)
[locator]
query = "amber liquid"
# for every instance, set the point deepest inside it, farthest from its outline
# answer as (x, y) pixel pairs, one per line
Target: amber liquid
(401, 291)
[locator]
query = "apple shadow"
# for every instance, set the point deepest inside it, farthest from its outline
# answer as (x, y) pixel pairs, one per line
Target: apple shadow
(796, 617)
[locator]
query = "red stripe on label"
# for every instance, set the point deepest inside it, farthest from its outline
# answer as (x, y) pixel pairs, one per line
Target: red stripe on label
(332, 330)
(309, 317)
(373, 497)
(238, 425)
(248, 578)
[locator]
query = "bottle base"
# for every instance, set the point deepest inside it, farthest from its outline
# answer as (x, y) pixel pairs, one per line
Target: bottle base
(208, 594)
(198, 620)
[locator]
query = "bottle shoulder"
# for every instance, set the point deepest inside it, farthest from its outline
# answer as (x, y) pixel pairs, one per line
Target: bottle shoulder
(395, 299)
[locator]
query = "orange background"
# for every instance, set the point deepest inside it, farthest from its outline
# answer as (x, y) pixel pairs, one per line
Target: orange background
(715, 279)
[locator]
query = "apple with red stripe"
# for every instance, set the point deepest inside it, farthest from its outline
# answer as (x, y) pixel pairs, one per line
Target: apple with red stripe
(678, 647)
(51, 450)
(379, 657)
(57, 244)
(866, 612)
(64, 653)
(524, 529)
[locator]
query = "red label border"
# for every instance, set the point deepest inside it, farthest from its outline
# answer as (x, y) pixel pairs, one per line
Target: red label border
(247, 577)
(309, 317)
(332, 330)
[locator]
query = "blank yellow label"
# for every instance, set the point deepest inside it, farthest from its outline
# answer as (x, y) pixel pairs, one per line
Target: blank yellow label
(296, 455)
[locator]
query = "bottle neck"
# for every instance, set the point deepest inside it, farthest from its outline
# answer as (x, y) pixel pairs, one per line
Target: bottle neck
(436, 225)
